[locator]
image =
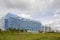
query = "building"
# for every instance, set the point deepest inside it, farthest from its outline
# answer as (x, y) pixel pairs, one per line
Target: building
(14, 21)
(46, 28)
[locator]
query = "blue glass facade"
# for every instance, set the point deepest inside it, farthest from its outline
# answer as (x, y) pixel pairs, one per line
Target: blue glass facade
(6, 23)
(13, 21)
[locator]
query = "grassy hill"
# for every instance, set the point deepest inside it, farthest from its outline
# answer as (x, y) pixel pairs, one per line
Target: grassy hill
(28, 36)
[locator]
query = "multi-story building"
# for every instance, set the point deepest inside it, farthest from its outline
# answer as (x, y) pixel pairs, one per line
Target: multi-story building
(13, 21)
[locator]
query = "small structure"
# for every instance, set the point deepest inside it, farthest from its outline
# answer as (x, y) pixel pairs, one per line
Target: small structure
(46, 29)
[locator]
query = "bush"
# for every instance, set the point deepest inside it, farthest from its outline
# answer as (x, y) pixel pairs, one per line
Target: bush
(0, 30)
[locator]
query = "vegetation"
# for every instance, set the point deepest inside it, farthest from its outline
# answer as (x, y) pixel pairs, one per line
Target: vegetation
(16, 30)
(8, 35)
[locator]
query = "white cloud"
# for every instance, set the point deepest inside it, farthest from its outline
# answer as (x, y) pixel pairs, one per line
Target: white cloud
(55, 22)
(25, 16)
(37, 9)
(3, 12)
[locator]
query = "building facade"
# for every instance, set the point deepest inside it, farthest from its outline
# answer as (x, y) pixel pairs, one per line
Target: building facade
(13, 21)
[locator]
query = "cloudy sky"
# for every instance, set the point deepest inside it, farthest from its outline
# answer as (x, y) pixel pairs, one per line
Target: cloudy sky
(41, 10)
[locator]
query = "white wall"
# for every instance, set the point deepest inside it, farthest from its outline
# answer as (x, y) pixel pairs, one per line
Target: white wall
(2, 27)
(0, 24)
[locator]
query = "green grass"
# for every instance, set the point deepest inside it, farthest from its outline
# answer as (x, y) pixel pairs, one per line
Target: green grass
(28, 36)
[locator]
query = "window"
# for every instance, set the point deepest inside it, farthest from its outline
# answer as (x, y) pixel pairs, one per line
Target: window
(6, 23)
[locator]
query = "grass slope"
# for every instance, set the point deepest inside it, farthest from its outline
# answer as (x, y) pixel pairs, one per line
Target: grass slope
(28, 36)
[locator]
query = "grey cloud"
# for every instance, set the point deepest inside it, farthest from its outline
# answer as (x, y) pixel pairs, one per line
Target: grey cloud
(19, 5)
(56, 4)
(36, 8)
(26, 4)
